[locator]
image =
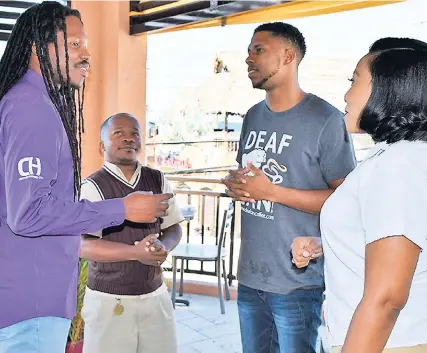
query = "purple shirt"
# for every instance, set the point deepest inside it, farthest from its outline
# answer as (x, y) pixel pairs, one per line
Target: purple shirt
(40, 223)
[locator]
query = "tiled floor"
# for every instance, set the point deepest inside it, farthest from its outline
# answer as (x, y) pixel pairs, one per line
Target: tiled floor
(201, 327)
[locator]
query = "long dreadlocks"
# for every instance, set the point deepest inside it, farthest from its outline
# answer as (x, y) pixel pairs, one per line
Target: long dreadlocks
(40, 25)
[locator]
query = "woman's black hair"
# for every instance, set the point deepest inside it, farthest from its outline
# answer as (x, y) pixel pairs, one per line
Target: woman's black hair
(397, 107)
(387, 43)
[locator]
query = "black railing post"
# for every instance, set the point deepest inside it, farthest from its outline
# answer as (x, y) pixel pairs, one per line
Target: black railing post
(230, 271)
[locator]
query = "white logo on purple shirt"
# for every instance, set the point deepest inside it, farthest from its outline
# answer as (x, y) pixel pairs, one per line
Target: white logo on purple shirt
(30, 167)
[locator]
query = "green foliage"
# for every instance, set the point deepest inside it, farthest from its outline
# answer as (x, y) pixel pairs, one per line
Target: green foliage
(77, 325)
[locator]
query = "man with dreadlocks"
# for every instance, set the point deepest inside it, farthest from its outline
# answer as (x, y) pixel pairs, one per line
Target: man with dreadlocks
(42, 70)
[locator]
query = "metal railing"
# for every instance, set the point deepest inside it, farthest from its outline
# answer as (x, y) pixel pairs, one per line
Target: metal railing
(192, 156)
(208, 205)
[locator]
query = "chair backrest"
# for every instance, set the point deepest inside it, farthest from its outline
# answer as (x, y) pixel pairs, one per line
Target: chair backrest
(225, 227)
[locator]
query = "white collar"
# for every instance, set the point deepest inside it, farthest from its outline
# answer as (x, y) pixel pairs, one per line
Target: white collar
(376, 150)
(115, 171)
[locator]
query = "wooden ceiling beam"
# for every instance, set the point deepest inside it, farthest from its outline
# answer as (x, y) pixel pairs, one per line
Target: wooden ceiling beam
(4, 36)
(17, 4)
(9, 15)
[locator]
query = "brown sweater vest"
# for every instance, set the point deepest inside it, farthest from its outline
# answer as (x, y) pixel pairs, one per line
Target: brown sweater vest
(128, 277)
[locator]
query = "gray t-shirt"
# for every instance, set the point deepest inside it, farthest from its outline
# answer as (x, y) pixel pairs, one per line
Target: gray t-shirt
(304, 147)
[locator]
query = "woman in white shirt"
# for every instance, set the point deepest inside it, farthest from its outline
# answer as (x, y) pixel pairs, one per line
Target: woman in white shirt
(374, 226)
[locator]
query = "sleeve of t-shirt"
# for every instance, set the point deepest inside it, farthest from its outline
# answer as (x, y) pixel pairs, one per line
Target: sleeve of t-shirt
(174, 214)
(394, 201)
(32, 138)
(336, 153)
(91, 192)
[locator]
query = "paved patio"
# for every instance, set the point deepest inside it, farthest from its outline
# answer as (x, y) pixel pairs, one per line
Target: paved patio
(201, 327)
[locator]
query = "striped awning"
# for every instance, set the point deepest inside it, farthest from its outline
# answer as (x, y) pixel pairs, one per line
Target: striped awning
(10, 11)
(156, 16)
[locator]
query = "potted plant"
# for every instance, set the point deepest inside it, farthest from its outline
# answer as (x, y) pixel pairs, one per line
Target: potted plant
(75, 336)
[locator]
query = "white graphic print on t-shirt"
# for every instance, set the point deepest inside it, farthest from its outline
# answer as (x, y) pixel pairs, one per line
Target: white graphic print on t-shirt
(258, 149)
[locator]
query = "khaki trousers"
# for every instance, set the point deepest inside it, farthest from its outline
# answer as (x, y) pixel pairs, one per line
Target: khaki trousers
(146, 325)
(416, 349)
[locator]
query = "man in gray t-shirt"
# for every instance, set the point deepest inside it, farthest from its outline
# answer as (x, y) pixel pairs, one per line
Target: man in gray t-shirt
(294, 151)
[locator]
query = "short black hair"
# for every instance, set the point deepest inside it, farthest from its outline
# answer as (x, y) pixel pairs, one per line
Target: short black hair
(397, 107)
(288, 32)
(107, 121)
(388, 43)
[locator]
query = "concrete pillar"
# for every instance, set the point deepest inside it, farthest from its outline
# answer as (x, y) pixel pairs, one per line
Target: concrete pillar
(117, 80)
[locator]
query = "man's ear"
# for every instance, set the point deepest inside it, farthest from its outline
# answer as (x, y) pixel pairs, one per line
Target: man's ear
(101, 147)
(290, 55)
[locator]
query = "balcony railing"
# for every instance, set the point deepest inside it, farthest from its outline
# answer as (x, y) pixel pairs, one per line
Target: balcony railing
(207, 199)
(193, 157)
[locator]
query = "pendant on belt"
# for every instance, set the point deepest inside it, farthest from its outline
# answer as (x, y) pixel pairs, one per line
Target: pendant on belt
(119, 308)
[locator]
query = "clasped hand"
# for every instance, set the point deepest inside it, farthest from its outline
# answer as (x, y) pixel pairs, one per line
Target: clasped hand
(248, 184)
(151, 251)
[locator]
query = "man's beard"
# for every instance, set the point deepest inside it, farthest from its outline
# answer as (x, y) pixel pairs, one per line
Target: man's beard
(260, 84)
(126, 161)
(64, 84)
(66, 75)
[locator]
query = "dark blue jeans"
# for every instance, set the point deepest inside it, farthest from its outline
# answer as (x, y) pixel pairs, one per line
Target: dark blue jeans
(276, 323)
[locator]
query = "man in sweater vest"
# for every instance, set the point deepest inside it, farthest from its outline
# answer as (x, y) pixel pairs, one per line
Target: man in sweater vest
(127, 307)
